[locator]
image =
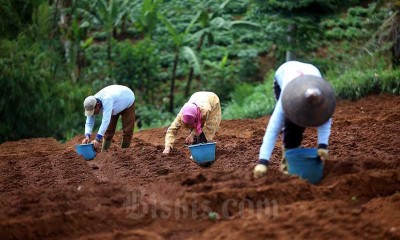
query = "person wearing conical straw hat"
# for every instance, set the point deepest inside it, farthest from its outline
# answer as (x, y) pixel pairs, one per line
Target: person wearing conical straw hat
(304, 99)
(201, 114)
(112, 101)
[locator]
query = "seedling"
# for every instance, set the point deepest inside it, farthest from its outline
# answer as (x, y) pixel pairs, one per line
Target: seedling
(213, 216)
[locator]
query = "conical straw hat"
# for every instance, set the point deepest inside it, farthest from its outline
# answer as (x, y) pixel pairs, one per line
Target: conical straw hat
(308, 101)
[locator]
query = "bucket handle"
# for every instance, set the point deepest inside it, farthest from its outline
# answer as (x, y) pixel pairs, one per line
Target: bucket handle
(187, 145)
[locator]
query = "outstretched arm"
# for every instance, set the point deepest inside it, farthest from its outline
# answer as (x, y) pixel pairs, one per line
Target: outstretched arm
(272, 132)
(324, 132)
(271, 135)
(88, 128)
(172, 131)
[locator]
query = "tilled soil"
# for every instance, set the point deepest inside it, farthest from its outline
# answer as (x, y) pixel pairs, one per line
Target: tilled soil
(47, 191)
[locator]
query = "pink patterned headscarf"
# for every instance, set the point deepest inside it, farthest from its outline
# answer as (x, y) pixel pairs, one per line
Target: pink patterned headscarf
(191, 115)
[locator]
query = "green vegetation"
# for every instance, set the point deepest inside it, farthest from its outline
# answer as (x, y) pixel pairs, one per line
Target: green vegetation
(361, 81)
(251, 101)
(55, 53)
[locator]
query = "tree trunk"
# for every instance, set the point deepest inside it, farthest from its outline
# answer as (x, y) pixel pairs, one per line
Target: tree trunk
(123, 27)
(289, 54)
(396, 42)
(65, 23)
(172, 89)
(58, 8)
(187, 88)
(191, 73)
(68, 44)
(109, 58)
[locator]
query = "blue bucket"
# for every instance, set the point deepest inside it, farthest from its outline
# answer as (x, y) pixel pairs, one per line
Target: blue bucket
(203, 152)
(86, 150)
(305, 163)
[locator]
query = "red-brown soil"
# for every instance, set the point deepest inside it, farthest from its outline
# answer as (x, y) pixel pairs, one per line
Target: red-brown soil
(47, 191)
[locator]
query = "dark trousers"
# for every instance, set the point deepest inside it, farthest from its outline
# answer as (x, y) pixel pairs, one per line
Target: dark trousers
(292, 134)
(200, 139)
(128, 124)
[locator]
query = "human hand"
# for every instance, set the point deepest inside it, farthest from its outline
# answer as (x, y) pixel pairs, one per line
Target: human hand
(166, 150)
(85, 141)
(189, 139)
(259, 170)
(323, 154)
(96, 143)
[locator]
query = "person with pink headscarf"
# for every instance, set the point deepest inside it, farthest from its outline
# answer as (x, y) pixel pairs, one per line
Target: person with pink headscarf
(201, 114)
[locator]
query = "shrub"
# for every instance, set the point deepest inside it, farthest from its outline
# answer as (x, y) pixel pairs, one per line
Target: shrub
(137, 66)
(250, 101)
(152, 117)
(248, 65)
(367, 75)
(34, 102)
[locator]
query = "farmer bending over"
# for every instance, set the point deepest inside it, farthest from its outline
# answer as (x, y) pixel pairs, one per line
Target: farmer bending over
(201, 114)
(111, 101)
(304, 99)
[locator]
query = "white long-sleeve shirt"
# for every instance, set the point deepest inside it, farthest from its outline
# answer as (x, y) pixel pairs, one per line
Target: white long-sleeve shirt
(114, 99)
(286, 73)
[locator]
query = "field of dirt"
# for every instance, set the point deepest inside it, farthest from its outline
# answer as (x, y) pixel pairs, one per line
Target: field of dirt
(47, 191)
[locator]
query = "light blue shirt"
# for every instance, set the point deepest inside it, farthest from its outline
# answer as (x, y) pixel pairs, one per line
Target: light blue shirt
(286, 73)
(114, 99)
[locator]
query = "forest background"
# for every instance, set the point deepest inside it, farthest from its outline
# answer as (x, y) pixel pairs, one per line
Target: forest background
(55, 53)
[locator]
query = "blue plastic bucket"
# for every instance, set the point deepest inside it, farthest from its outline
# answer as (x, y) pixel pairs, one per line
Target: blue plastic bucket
(203, 152)
(86, 150)
(305, 163)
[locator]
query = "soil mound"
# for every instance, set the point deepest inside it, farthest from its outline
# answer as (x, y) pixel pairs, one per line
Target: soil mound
(48, 191)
